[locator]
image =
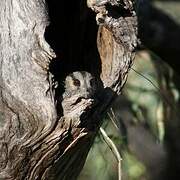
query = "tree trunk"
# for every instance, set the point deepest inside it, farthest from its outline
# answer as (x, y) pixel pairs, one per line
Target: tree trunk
(36, 139)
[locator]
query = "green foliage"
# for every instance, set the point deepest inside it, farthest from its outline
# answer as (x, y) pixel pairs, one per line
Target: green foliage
(142, 113)
(134, 168)
(171, 8)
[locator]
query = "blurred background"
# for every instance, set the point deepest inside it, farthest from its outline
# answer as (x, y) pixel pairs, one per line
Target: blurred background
(147, 114)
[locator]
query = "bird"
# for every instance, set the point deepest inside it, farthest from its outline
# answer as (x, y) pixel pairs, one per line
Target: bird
(80, 92)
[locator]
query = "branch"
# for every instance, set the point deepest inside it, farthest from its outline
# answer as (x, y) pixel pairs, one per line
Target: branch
(114, 149)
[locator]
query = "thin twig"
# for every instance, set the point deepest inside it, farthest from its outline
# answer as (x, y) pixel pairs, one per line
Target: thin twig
(113, 148)
(112, 119)
(160, 91)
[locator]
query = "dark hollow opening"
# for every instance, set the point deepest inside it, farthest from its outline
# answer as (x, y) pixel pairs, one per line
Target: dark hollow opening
(72, 34)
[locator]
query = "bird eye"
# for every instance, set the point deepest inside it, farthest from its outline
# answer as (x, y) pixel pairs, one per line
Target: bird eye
(76, 82)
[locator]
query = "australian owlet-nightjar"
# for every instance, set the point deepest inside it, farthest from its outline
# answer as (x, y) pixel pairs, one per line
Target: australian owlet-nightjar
(80, 87)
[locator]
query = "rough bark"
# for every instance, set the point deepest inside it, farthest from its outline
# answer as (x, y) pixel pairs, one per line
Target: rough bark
(36, 141)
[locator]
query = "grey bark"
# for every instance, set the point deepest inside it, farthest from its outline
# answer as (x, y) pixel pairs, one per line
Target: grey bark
(34, 142)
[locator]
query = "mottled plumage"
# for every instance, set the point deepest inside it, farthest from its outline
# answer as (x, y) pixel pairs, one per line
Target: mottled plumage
(80, 83)
(80, 88)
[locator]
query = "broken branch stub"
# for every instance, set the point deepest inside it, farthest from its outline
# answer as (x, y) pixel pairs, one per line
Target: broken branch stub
(117, 39)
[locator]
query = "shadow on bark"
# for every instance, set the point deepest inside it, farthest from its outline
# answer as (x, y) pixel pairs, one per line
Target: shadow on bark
(36, 141)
